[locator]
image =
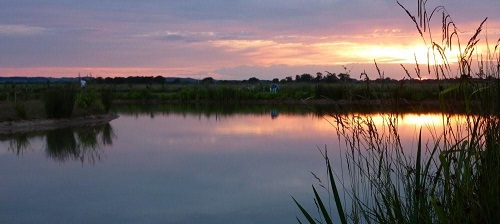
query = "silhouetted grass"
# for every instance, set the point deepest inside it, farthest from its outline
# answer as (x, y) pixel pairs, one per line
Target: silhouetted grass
(454, 177)
(59, 102)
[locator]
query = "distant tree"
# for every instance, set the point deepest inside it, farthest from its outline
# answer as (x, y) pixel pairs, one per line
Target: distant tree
(98, 80)
(289, 79)
(344, 76)
(330, 77)
(319, 77)
(306, 77)
(109, 80)
(120, 80)
(253, 79)
(297, 78)
(159, 79)
(207, 80)
(276, 80)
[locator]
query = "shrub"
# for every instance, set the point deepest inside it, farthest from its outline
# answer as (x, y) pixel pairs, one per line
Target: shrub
(89, 100)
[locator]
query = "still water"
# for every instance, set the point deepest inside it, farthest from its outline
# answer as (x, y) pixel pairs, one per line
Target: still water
(167, 165)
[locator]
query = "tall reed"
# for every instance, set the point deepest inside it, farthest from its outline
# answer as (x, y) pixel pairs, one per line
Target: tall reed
(59, 102)
(452, 177)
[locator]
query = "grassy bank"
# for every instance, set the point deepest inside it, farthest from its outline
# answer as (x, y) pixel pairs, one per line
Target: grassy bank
(38, 101)
(398, 94)
(379, 89)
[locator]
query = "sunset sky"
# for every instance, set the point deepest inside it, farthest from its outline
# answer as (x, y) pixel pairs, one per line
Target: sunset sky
(224, 39)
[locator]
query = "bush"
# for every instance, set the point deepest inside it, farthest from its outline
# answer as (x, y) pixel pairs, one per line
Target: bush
(89, 101)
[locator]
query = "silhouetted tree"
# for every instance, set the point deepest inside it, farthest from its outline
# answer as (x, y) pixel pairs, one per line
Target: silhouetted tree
(304, 78)
(331, 77)
(159, 79)
(319, 77)
(98, 80)
(344, 77)
(176, 81)
(207, 80)
(109, 80)
(253, 79)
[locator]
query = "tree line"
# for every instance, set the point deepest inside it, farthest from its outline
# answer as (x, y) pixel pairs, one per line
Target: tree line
(326, 77)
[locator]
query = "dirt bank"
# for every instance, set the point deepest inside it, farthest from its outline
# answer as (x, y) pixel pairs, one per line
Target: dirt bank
(18, 127)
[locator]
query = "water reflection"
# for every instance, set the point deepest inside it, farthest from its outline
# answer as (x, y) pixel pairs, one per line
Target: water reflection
(215, 110)
(19, 144)
(84, 144)
(179, 164)
(274, 114)
(274, 110)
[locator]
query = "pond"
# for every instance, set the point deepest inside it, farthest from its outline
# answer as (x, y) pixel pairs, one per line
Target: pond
(173, 164)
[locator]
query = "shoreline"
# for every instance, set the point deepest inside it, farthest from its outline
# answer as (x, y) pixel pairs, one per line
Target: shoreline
(307, 101)
(26, 126)
(399, 104)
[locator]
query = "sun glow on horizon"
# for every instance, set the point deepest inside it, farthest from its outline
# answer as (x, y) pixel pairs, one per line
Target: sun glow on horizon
(340, 52)
(274, 51)
(410, 119)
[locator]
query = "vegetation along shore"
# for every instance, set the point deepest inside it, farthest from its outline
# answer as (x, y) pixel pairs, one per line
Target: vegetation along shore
(37, 98)
(39, 108)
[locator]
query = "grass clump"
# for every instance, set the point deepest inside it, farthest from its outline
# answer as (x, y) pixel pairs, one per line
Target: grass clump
(59, 102)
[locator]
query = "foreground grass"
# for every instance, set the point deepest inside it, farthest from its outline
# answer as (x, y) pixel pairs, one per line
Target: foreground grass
(454, 177)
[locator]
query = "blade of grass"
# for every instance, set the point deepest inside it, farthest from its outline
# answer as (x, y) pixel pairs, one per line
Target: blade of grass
(304, 212)
(336, 195)
(439, 211)
(324, 212)
(418, 194)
